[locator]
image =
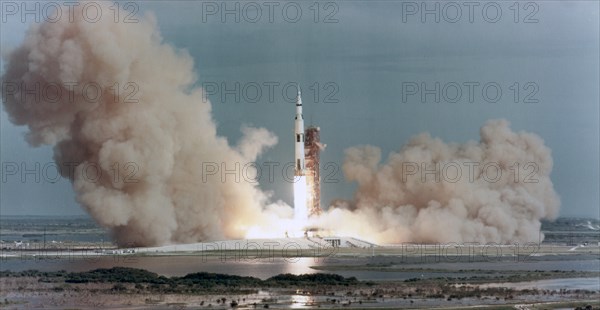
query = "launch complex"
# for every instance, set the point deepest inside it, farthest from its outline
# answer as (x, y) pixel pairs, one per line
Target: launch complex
(301, 231)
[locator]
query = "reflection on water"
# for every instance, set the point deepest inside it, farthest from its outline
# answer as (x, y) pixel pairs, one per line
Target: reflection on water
(172, 265)
(301, 301)
(180, 265)
(301, 265)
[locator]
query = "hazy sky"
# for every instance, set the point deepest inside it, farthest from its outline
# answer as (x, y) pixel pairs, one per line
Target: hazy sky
(360, 60)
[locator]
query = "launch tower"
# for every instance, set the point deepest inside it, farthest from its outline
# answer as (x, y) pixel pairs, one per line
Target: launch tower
(312, 147)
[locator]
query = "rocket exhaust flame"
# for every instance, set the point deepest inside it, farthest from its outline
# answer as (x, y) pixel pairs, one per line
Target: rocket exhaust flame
(300, 199)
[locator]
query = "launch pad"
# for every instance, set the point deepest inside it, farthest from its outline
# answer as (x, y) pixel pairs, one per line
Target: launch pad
(307, 246)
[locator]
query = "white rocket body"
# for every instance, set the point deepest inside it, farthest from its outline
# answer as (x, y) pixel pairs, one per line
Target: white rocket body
(300, 187)
(299, 169)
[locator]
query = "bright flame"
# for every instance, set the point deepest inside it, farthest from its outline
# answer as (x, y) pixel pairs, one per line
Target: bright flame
(277, 229)
(280, 227)
(300, 200)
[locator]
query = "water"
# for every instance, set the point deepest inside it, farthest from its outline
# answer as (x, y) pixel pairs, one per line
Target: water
(591, 284)
(29, 229)
(170, 265)
(539, 264)
(64, 237)
(179, 265)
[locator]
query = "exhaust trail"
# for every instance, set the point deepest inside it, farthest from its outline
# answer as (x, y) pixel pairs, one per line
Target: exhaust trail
(411, 198)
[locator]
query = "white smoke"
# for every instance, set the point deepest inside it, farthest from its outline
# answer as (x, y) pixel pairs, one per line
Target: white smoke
(402, 201)
(168, 134)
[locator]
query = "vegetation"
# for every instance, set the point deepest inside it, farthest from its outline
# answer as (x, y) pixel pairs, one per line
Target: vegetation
(192, 282)
(115, 275)
(333, 289)
(315, 278)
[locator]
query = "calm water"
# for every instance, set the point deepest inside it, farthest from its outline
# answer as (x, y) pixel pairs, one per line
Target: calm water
(544, 265)
(592, 284)
(172, 265)
(39, 237)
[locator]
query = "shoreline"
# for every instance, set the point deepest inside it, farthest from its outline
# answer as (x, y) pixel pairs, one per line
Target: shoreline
(131, 288)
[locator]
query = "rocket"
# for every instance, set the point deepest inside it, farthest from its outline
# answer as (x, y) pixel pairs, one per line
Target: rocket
(299, 138)
(300, 185)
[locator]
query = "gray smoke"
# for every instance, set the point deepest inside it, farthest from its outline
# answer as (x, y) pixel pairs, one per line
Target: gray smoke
(156, 194)
(402, 201)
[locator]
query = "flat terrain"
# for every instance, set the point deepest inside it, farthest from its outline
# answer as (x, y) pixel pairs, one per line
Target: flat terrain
(134, 288)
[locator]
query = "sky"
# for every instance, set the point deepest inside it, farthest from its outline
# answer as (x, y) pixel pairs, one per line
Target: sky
(363, 56)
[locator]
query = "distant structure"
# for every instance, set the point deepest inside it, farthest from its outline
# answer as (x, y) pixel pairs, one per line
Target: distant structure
(312, 148)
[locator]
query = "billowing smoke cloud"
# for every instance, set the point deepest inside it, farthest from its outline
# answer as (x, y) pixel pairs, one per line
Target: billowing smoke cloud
(113, 97)
(433, 192)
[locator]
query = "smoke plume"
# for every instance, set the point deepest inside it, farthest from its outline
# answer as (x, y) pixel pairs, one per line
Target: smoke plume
(146, 136)
(433, 192)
